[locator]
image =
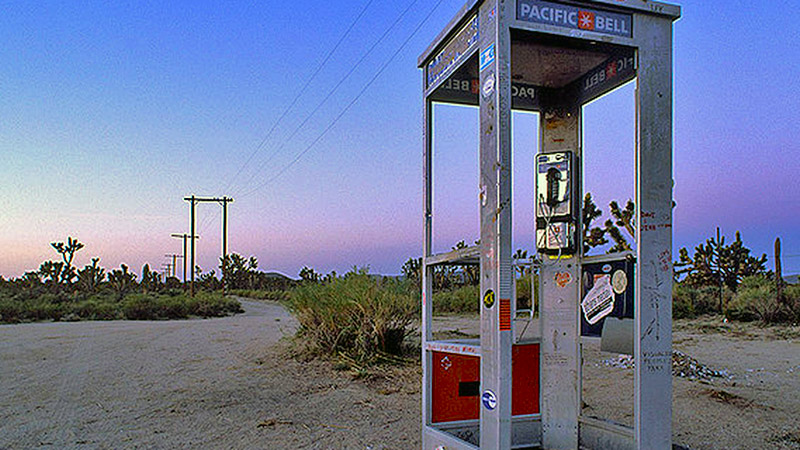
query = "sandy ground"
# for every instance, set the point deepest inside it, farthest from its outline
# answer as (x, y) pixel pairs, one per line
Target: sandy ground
(756, 407)
(228, 383)
(216, 383)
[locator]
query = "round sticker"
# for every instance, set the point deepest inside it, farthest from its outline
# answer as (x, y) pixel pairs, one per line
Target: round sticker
(606, 268)
(488, 298)
(489, 400)
(619, 282)
(488, 86)
(563, 279)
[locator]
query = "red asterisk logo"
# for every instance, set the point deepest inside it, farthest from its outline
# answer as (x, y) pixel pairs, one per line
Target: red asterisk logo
(586, 20)
(611, 70)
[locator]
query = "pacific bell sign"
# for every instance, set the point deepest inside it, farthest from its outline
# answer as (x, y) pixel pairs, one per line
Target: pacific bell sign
(575, 18)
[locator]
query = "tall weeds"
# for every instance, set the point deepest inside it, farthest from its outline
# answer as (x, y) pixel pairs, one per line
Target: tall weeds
(355, 315)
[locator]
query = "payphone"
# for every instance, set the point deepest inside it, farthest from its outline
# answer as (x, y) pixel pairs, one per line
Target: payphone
(550, 57)
(555, 203)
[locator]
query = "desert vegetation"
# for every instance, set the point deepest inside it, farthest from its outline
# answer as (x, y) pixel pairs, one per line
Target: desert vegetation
(59, 291)
(356, 316)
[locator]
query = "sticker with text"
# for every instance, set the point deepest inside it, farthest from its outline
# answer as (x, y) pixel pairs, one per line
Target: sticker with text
(487, 57)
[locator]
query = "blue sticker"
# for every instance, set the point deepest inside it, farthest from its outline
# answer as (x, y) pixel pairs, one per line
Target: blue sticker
(489, 400)
(487, 57)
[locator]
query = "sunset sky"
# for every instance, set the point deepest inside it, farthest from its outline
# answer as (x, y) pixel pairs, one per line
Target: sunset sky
(112, 112)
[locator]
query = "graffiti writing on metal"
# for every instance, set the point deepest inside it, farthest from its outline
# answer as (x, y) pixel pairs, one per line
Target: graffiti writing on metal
(453, 52)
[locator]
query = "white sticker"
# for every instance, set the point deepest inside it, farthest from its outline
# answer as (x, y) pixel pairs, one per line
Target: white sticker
(488, 86)
(619, 281)
(599, 301)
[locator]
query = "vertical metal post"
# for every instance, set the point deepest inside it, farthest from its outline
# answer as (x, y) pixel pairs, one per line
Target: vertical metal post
(224, 226)
(224, 241)
(559, 281)
(191, 257)
(495, 222)
(184, 259)
(653, 279)
(426, 272)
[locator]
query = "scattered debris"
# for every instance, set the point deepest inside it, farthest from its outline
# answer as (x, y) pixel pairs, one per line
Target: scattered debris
(683, 366)
(620, 362)
(727, 397)
(791, 437)
(271, 422)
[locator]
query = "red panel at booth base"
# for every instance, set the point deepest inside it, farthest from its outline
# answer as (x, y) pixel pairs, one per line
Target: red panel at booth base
(455, 386)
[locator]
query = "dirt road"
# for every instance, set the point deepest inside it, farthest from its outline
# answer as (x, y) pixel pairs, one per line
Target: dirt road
(227, 383)
(216, 383)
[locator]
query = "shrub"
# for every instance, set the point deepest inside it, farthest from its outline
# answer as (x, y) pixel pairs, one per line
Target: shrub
(756, 299)
(465, 299)
(208, 304)
(355, 315)
(172, 307)
(275, 295)
(10, 310)
(140, 307)
(97, 309)
(689, 301)
(792, 293)
(104, 306)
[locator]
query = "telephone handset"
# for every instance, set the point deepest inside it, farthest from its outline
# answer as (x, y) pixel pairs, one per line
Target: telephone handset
(555, 208)
(553, 176)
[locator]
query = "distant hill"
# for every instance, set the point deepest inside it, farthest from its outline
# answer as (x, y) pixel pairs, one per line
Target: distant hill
(793, 279)
(278, 275)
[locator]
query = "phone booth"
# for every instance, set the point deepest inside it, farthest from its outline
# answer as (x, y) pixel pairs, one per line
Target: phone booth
(504, 391)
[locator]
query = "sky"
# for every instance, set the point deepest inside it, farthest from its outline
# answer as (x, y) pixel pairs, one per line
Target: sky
(112, 112)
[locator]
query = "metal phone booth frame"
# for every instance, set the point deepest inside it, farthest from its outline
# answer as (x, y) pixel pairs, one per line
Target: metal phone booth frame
(551, 57)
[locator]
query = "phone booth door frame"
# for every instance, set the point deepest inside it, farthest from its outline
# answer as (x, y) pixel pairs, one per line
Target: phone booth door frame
(553, 45)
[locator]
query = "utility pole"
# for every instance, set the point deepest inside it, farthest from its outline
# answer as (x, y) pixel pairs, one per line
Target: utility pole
(165, 268)
(174, 263)
(719, 270)
(183, 236)
(193, 200)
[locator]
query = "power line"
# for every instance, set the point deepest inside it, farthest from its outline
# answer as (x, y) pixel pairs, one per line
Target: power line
(207, 220)
(332, 91)
(349, 105)
(299, 94)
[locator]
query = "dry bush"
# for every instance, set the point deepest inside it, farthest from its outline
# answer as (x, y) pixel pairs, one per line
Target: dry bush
(756, 299)
(355, 315)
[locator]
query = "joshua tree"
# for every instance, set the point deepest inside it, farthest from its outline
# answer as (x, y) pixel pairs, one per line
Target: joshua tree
(622, 218)
(521, 255)
(67, 252)
(307, 274)
(592, 236)
(121, 280)
(150, 280)
(52, 273)
(90, 277)
(779, 273)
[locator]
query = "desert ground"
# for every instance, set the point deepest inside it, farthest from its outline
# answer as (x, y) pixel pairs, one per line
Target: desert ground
(233, 383)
